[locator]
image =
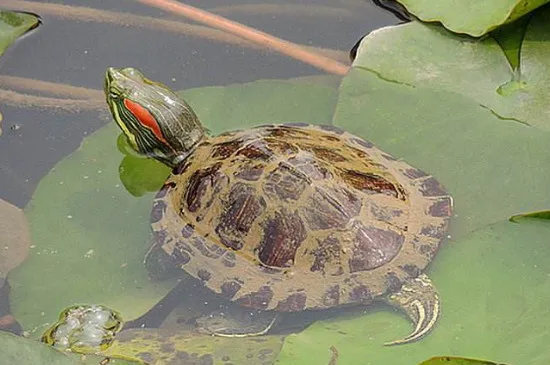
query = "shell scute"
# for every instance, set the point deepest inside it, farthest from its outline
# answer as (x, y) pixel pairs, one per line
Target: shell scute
(327, 154)
(211, 251)
(331, 208)
(257, 151)
(293, 303)
(199, 183)
(327, 253)
(432, 187)
(230, 288)
(259, 299)
(285, 183)
(331, 297)
(243, 207)
(309, 166)
(360, 294)
(441, 208)
(374, 247)
(225, 149)
(371, 183)
(283, 233)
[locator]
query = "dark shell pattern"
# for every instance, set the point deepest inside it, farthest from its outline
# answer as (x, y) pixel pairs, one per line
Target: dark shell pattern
(293, 217)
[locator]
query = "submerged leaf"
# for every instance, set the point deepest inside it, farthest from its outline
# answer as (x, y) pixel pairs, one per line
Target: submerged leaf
(163, 347)
(543, 214)
(427, 56)
(452, 360)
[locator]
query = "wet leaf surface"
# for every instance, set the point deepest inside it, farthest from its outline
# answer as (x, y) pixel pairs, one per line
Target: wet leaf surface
(429, 57)
(470, 16)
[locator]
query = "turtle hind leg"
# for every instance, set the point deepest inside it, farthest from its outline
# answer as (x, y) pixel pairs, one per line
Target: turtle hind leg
(236, 323)
(418, 298)
(160, 265)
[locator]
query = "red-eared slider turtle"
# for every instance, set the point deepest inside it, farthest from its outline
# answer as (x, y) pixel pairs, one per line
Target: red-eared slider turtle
(286, 217)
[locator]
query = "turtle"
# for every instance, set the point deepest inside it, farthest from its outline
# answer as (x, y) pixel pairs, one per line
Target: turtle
(285, 217)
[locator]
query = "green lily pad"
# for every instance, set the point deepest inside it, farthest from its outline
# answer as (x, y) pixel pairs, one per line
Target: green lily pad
(494, 286)
(450, 360)
(141, 176)
(161, 347)
(20, 350)
(472, 17)
(427, 56)
(87, 227)
(433, 108)
(13, 25)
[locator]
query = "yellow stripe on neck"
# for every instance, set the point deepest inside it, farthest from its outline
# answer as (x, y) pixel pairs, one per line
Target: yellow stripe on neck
(129, 135)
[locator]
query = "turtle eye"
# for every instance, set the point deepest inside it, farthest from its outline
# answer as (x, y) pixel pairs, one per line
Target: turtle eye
(113, 95)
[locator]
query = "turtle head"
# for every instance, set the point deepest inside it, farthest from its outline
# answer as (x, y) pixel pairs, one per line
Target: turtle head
(156, 121)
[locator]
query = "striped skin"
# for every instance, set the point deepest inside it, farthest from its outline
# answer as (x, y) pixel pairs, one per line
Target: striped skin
(144, 111)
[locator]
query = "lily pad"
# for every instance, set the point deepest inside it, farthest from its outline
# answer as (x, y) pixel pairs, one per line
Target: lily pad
(161, 347)
(494, 286)
(434, 103)
(13, 25)
(87, 227)
(20, 350)
(449, 360)
(472, 17)
(428, 56)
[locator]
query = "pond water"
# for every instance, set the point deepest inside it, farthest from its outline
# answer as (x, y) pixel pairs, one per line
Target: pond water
(88, 198)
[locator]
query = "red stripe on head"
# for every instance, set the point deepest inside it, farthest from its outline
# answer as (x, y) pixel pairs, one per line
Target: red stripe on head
(145, 118)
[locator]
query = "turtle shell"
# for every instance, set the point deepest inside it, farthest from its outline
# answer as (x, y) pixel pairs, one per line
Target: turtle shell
(293, 217)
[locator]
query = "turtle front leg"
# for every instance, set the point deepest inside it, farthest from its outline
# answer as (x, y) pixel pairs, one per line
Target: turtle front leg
(418, 298)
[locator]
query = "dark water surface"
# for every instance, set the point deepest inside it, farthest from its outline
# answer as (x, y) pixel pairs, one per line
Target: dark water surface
(77, 53)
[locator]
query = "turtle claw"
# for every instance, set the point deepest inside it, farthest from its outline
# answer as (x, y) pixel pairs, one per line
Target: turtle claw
(418, 298)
